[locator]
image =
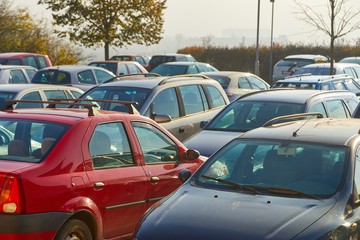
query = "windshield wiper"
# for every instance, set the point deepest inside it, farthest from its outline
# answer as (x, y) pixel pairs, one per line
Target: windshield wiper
(232, 184)
(290, 192)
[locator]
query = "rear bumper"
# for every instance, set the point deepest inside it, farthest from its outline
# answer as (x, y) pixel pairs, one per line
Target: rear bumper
(31, 226)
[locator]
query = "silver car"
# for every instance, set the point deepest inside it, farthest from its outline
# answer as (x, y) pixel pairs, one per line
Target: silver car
(81, 76)
(16, 74)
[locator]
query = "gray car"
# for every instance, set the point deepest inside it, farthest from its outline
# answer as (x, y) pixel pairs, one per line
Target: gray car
(255, 109)
(81, 76)
(178, 103)
(181, 68)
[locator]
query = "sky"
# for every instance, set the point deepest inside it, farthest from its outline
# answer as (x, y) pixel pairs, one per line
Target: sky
(201, 18)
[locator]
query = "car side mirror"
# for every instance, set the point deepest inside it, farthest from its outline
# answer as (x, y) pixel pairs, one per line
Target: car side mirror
(184, 175)
(191, 154)
(159, 118)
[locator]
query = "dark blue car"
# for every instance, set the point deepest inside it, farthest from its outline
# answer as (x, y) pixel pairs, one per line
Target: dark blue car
(286, 180)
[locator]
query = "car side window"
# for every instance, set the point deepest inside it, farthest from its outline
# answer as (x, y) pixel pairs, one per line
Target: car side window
(352, 86)
(216, 98)
(86, 77)
(30, 73)
(243, 83)
(325, 86)
(102, 76)
(157, 148)
(166, 103)
(133, 68)
(191, 98)
(109, 146)
(17, 76)
(30, 61)
(42, 61)
(122, 70)
(140, 60)
(193, 70)
(257, 83)
(30, 96)
(318, 107)
(51, 94)
(337, 109)
(357, 176)
(339, 85)
(352, 104)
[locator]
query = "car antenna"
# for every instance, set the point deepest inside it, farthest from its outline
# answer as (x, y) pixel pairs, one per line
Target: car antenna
(295, 132)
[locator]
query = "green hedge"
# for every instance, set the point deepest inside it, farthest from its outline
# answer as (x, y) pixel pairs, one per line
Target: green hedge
(243, 58)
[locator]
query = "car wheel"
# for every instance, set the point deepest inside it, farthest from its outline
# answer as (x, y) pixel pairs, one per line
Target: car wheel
(74, 230)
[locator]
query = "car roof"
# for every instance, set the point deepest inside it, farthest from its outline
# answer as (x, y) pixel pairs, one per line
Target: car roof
(185, 63)
(114, 61)
(305, 78)
(35, 86)
(320, 130)
(16, 67)
(71, 68)
(171, 54)
(226, 73)
(151, 82)
(15, 54)
(327, 65)
(289, 95)
(305, 56)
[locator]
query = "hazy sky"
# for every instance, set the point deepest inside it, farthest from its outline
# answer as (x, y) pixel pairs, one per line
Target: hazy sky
(199, 18)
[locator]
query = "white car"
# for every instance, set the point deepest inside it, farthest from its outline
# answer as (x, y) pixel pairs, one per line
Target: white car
(16, 74)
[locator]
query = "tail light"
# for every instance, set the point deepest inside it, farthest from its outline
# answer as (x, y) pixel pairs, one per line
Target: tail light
(11, 195)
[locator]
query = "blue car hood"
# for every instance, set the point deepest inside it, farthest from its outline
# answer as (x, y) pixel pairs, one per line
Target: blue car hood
(208, 141)
(196, 213)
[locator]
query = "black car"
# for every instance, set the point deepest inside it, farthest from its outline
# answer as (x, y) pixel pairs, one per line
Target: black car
(156, 60)
(291, 180)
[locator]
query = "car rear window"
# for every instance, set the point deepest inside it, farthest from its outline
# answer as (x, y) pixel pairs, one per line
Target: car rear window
(52, 77)
(293, 61)
(315, 71)
(28, 141)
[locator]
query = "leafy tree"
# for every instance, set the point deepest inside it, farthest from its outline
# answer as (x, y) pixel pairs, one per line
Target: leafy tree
(109, 22)
(338, 21)
(20, 33)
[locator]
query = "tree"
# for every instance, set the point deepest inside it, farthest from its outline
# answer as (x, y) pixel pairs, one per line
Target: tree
(109, 22)
(20, 33)
(338, 21)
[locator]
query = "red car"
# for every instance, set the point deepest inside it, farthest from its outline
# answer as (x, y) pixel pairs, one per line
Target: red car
(83, 174)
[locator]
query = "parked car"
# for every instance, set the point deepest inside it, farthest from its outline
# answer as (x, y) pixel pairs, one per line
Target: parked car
(320, 82)
(120, 67)
(288, 65)
(178, 103)
(156, 60)
(35, 60)
(350, 60)
(281, 181)
(35, 92)
(143, 60)
(237, 84)
(16, 74)
(351, 69)
(80, 76)
(254, 109)
(83, 174)
(181, 68)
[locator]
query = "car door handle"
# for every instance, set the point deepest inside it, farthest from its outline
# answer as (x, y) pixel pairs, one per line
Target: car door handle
(99, 185)
(154, 179)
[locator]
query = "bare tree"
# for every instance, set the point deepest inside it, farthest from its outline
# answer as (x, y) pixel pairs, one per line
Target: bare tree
(338, 21)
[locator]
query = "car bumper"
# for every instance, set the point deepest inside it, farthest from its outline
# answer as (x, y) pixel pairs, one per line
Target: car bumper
(31, 226)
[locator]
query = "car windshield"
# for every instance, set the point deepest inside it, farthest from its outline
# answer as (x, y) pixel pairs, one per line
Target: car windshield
(242, 116)
(315, 71)
(170, 70)
(28, 141)
(286, 168)
(127, 94)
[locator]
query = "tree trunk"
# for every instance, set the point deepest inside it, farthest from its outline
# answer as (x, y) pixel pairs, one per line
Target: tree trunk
(107, 51)
(332, 37)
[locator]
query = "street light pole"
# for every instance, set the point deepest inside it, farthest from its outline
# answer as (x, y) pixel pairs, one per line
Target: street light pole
(257, 62)
(271, 41)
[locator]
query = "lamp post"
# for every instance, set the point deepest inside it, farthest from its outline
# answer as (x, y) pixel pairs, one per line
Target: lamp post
(257, 62)
(271, 41)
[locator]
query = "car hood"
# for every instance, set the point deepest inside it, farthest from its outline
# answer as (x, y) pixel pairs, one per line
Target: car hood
(196, 213)
(208, 141)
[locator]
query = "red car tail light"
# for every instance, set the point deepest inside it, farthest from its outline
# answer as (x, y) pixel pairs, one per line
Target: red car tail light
(11, 196)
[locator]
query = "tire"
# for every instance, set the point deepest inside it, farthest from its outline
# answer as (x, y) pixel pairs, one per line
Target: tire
(74, 230)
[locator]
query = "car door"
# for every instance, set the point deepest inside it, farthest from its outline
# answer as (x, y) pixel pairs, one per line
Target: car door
(118, 184)
(162, 160)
